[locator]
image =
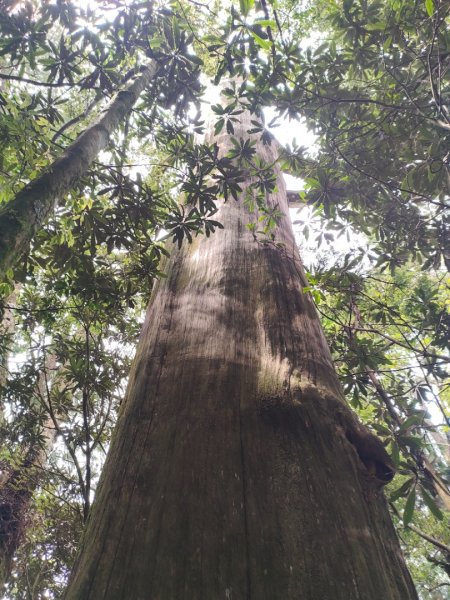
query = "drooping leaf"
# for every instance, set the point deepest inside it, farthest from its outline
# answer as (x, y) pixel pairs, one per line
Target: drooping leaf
(409, 507)
(431, 504)
(246, 6)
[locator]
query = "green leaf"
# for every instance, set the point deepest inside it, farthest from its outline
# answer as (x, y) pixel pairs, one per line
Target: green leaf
(387, 42)
(266, 23)
(410, 421)
(265, 44)
(5, 289)
(431, 504)
(409, 507)
(380, 26)
(395, 454)
(245, 6)
(412, 441)
(156, 42)
(219, 126)
(429, 5)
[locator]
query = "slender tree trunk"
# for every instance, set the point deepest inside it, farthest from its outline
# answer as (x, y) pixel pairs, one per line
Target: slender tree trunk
(16, 492)
(236, 470)
(20, 484)
(7, 327)
(28, 210)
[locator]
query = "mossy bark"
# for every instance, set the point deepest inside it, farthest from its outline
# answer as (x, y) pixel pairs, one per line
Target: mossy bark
(29, 209)
(236, 470)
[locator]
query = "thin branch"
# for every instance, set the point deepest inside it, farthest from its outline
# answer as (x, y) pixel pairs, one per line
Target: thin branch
(430, 539)
(34, 81)
(76, 119)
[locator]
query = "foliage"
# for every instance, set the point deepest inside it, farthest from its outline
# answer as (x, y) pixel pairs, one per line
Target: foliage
(389, 335)
(373, 88)
(371, 82)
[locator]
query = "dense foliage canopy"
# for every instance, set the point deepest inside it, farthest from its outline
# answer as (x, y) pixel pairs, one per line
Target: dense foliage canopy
(369, 78)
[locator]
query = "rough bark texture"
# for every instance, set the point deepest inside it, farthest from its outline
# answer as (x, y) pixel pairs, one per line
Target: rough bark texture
(236, 470)
(29, 209)
(19, 484)
(16, 495)
(7, 327)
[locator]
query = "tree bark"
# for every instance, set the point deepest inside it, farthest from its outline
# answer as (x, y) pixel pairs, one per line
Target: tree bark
(20, 484)
(236, 470)
(7, 327)
(28, 210)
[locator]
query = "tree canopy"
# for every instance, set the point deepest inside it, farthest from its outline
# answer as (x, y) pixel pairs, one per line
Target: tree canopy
(104, 101)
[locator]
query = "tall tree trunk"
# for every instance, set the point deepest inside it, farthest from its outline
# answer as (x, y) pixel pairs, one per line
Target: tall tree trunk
(29, 209)
(237, 470)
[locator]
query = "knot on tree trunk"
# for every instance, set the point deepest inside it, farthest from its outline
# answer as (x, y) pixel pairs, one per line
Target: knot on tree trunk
(371, 453)
(369, 448)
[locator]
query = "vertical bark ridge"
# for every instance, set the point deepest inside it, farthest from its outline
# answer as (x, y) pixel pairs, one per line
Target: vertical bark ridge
(236, 470)
(140, 374)
(248, 591)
